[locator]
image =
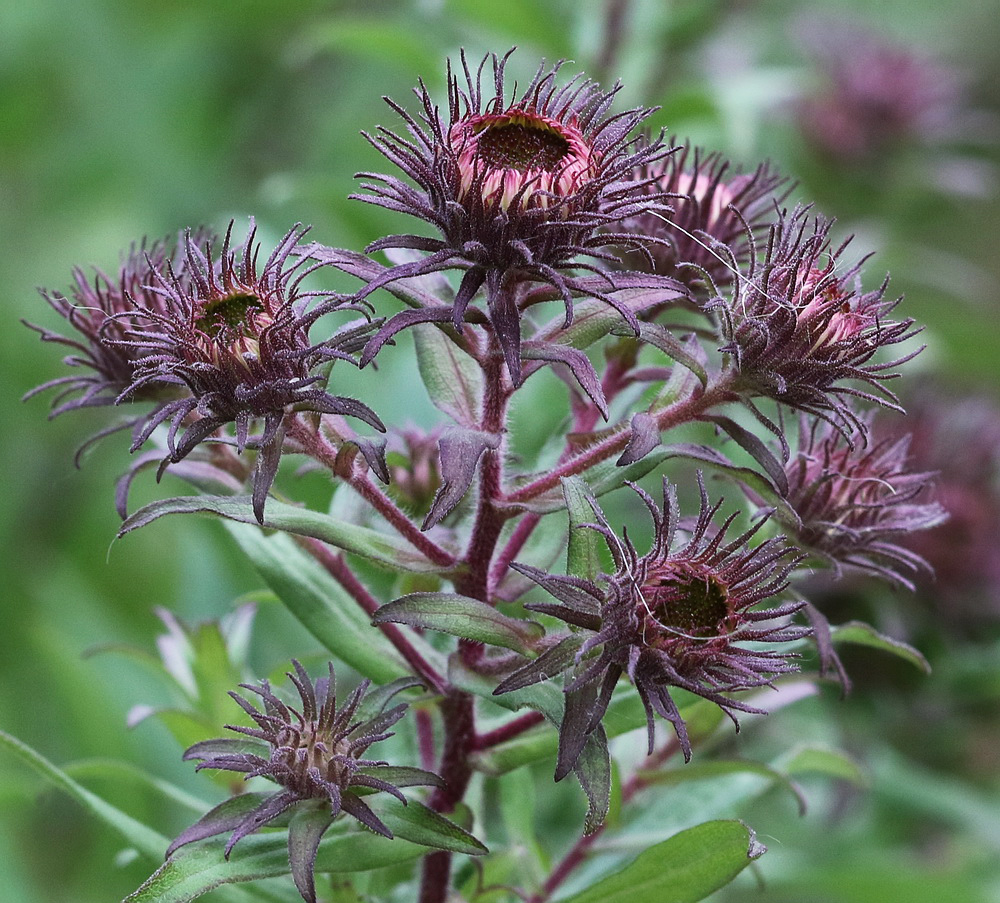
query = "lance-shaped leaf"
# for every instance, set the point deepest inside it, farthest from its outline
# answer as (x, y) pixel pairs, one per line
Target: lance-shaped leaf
(323, 607)
(453, 380)
(551, 662)
(459, 451)
(385, 550)
(306, 830)
(593, 771)
(418, 823)
(683, 381)
(583, 559)
(754, 447)
(674, 348)
(462, 617)
(862, 634)
(579, 364)
(645, 437)
(684, 869)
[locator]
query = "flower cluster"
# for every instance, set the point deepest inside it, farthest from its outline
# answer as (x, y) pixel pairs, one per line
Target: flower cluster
(672, 618)
(315, 754)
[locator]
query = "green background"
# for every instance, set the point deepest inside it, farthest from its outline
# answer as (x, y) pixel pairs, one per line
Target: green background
(123, 119)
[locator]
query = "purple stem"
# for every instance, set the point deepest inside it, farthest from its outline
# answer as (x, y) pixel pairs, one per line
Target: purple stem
(682, 412)
(337, 568)
(314, 444)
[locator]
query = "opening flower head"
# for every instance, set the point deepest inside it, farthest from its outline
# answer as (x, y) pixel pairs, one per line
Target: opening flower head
(519, 188)
(858, 501)
(715, 213)
(315, 753)
(799, 326)
(236, 342)
(92, 308)
(672, 618)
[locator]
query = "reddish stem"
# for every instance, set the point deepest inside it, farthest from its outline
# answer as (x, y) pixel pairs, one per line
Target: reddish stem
(337, 568)
(316, 445)
(506, 731)
(682, 412)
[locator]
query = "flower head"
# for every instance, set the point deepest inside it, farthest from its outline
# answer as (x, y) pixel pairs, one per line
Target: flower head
(672, 618)
(858, 501)
(712, 208)
(799, 325)
(314, 752)
(235, 342)
(519, 187)
(92, 309)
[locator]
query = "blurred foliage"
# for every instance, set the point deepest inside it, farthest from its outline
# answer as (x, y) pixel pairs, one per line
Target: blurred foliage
(121, 119)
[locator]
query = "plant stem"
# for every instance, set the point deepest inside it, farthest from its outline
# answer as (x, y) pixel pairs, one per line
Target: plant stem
(506, 731)
(317, 446)
(682, 412)
(337, 568)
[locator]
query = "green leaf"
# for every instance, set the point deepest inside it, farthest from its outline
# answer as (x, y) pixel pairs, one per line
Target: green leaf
(138, 835)
(201, 867)
(462, 617)
(674, 348)
(834, 763)
(453, 380)
(861, 634)
(700, 771)
(684, 869)
(583, 556)
(593, 771)
(321, 605)
(417, 823)
(385, 550)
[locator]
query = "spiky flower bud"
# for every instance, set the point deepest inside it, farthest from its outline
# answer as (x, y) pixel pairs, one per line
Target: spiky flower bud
(92, 309)
(236, 342)
(859, 502)
(801, 329)
(315, 754)
(714, 215)
(672, 618)
(518, 187)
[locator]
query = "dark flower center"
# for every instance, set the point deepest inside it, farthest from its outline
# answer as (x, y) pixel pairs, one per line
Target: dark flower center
(227, 313)
(522, 145)
(692, 604)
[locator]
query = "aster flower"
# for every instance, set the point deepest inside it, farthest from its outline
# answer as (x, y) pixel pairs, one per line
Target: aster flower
(106, 363)
(236, 342)
(672, 618)
(714, 214)
(518, 188)
(315, 754)
(858, 501)
(799, 324)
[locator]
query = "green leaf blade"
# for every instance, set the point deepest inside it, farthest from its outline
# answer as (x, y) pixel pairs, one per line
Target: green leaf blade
(684, 869)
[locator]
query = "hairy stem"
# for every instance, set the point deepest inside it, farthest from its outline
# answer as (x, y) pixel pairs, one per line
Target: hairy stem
(682, 412)
(317, 446)
(337, 568)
